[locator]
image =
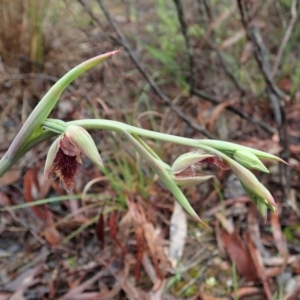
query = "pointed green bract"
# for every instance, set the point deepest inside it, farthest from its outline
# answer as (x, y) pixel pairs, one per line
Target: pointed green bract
(187, 160)
(252, 186)
(186, 181)
(82, 139)
(249, 160)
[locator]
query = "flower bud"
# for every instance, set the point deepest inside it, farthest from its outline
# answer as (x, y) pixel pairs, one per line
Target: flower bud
(249, 160)
(230, 148)
(260, 196)
(84, 142)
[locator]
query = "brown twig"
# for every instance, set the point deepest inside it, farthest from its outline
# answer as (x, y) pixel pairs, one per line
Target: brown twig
(286, 37)
(254, 120)
(184, 29)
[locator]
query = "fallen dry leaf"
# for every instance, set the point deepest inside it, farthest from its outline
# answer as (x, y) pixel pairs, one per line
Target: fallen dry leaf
(178, 232)
(52, 236)
(258, 265)
(10, 177)
(100, 230)
(279, 239)
(247, 291)
(31, 192)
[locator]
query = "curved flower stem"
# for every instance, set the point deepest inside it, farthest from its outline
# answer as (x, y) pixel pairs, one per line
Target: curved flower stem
(121, 127)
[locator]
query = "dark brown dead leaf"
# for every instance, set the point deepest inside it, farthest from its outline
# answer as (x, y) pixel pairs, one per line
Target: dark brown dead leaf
(112, 225)
(100, 230)
(239, 255)
(113, 230)
(178, 233)
(247, 291)
(140, 245)
(52, 236)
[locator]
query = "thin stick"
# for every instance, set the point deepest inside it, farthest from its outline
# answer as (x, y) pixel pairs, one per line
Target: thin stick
(286, 37)
(184, 29)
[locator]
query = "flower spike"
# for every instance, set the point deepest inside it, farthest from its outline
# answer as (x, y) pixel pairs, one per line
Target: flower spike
(256, 191)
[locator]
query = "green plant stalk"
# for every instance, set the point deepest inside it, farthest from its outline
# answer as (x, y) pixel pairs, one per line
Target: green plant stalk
(206, 144)
(58, 127)
(32, 126)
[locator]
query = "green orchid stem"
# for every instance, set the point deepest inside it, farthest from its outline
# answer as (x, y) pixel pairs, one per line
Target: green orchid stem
(205, 144)
(54, 127)
(59, 126)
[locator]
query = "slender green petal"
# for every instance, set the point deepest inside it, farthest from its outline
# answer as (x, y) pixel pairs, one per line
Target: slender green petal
(186, 181)
(188, 159)
(82, 139)
(51, 156)
(249, 160)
